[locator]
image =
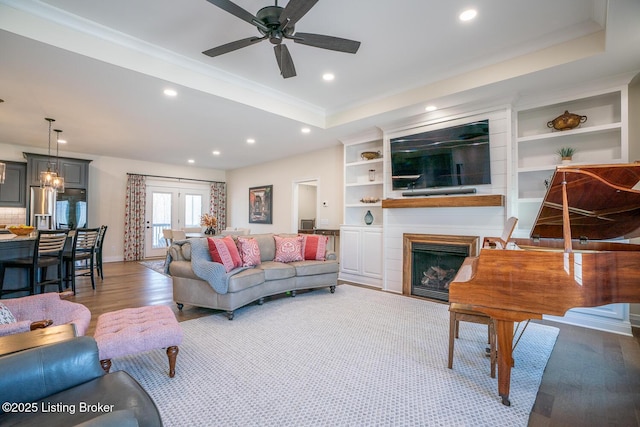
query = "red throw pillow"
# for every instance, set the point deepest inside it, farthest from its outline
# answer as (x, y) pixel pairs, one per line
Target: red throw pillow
(249, 251)
(314, 246)
(288, 249)
(225, 252)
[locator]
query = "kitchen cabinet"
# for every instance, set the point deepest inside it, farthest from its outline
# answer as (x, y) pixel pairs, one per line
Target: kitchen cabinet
(13, 193)
(74, 171)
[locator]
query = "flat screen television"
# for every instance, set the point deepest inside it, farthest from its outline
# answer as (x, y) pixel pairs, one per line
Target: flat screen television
(450, 157)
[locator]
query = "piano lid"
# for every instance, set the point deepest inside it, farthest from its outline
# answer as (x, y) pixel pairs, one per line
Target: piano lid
(604, 202)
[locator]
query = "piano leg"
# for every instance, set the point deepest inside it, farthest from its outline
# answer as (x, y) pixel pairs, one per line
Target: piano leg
(504, 330)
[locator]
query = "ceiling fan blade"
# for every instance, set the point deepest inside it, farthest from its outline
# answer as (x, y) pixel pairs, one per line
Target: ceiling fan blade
(295, 10)
(327, 42)
(285, 63)
(230, 47)
(239, 12)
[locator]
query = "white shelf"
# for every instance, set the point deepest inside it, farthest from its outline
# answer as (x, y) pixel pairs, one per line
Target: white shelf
(359, 184)
(364, 162)
(363, 205)
(572, 132)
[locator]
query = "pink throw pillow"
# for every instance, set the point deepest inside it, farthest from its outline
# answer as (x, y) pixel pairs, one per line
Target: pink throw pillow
(288, 249)
(314, 246)
(249, 251)
(225, 252)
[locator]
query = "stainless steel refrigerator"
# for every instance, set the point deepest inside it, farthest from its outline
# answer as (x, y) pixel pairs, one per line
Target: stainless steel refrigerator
(42, 208)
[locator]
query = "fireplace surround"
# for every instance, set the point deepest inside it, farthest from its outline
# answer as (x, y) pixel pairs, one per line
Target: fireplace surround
(430, 261)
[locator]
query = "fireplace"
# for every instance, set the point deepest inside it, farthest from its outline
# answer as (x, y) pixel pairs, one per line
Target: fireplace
(430, 262)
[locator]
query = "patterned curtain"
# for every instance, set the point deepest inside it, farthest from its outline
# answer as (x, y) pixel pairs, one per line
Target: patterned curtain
(134, 218)
(218, 203)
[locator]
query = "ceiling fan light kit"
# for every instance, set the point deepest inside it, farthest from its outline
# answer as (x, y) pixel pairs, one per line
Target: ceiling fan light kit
(277, 24)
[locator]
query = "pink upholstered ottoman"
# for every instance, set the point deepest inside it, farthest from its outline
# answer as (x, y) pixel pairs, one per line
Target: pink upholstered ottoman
(134, 330)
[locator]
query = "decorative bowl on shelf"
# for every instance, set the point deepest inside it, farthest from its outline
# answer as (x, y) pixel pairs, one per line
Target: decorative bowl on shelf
(370, 199)
(21, 230)
(566, 121)
(370, 155)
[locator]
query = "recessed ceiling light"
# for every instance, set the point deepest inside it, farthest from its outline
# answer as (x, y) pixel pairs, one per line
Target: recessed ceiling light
(191, 161)
(251, 141)
(216, 152)
(431, 108)
(468, 15)
(305, 130)
(170, 92)
(328, 77)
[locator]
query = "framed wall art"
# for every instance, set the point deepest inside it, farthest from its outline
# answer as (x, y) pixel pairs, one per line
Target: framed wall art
(261, 204)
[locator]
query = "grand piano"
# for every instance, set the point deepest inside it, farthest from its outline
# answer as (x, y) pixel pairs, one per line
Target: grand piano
(560, 267)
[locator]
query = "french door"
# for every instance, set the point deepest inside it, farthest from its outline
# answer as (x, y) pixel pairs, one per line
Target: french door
(174, 206)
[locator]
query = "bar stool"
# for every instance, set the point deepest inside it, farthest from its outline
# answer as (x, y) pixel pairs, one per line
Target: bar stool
(48, 251)
(83, 249)
(99, 244)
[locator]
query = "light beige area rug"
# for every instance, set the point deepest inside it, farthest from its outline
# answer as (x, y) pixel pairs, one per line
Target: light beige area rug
(358, 357)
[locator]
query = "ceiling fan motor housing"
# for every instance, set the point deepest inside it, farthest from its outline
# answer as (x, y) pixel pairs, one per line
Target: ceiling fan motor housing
(270, 16)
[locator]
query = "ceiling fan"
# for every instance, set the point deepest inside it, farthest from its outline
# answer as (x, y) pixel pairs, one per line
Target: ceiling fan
(276, 24)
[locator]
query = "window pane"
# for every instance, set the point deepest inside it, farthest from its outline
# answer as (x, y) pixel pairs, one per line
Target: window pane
(193, 210)
(161, 217)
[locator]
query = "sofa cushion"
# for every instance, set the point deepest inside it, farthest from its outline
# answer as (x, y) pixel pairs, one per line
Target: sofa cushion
(288, 249)
(249, 251)
(274, 270)
(311, 268)
(267, 246)
(314, 246)
(225, 252)
(246, 279)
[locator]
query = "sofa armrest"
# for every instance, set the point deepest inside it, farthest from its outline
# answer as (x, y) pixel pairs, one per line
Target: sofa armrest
(32, 374)
(330, 256)
(15, 328)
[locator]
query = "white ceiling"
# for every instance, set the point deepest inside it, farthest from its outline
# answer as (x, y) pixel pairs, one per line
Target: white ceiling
(99, 68)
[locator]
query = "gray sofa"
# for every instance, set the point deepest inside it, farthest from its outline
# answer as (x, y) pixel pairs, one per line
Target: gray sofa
(252, 284)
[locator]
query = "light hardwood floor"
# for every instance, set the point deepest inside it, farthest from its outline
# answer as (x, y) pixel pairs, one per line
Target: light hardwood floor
(592, 377)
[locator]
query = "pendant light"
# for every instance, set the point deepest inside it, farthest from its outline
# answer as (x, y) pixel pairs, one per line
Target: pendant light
(58, 181)
(47, 177)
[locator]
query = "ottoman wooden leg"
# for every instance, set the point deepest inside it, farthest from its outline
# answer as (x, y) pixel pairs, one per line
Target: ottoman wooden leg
(172, 354)
(106, 365)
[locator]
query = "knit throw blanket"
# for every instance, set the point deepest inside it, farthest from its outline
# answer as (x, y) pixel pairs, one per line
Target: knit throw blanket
(213, 273)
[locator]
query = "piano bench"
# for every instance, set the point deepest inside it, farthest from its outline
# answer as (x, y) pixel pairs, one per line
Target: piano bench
(463, 313)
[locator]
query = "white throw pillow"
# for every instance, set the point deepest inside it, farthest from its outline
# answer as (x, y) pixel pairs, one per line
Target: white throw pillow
(5, 315)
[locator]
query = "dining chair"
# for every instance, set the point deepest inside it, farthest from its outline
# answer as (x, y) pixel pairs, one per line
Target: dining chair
(47, 252)
(168, 238)
(99, 245)
(82, 252)
(178, 235)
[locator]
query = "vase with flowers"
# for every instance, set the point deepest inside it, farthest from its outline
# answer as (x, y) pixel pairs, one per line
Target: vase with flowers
(210, 222)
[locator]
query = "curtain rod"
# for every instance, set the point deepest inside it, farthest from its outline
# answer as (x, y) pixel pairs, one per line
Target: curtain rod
(179, 179)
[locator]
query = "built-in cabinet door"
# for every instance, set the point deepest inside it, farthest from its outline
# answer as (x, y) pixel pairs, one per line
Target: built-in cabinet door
(350, 250)
(13, 192)
(361, 255)
(372, 252)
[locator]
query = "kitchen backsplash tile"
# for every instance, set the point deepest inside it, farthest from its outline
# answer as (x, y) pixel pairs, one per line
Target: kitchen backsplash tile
(13, 216)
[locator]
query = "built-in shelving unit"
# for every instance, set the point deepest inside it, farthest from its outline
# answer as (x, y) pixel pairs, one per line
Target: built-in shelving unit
(602, 138)
(363, 180)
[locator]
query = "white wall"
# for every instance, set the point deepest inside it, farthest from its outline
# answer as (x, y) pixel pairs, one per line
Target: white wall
(108, 185)
(325, 166)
